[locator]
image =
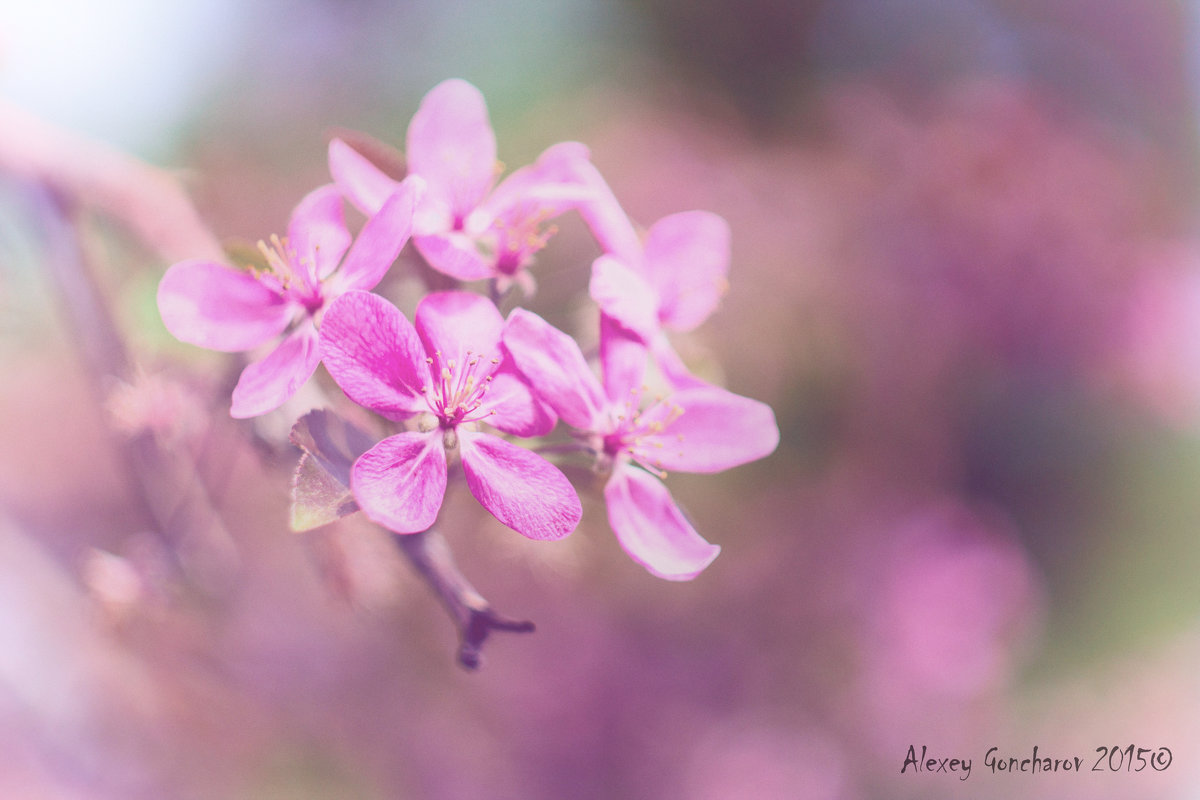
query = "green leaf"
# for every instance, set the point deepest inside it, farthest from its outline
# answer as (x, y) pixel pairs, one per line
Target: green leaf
(321, 484)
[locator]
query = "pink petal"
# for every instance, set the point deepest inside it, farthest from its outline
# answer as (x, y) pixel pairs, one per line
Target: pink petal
(401, 481)
(365, 185)
(451, 144)
(215, 306)
(550, 186)
(652, 529)
(625, 296)
(707, 429)
(374, 354)
(456, 255)
(556, 369)
(514, 409)
(381, 239)
(687, 260)
(267, 384)
(671, 365)
(317, 231)
(623, 358)
(606, 219)
(455, 325)
(521, 489)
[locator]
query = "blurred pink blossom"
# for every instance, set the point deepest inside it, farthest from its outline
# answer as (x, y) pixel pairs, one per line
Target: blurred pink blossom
(1159, 363)
(953, 603)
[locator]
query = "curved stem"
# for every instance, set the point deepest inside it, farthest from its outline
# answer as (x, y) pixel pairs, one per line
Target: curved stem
(430, 555)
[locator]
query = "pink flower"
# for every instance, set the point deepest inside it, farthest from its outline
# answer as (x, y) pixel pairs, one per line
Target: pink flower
(223, 308)
(449, 372)
(467, 227)
(672, 279)
(697, 429)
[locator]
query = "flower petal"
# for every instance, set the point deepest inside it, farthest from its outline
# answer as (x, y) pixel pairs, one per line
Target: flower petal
(455, 324)
(267, 384)
(374, 354)
(555, 368)
(606, 219)
(625, 296)
(550, 186)
(671, 365)
(401, 481)
(513, 406)
(520, 488)
(317, 231)
(456, 255)
(211, 305)
(687, 261)
(706, 429)
(451, 144)
(365, 185)
(652, 529)
(381, 239)
(623, 358)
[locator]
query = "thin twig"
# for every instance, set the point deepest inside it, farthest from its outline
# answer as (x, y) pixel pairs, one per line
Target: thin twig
(430, 555)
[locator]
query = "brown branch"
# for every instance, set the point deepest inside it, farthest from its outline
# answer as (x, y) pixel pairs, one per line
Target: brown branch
(476, 619)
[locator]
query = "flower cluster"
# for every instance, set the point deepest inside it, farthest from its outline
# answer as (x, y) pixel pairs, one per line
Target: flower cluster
(460, 382)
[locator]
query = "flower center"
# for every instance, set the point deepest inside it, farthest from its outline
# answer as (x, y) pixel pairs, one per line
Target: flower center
(519, 235)
(459, 388)
(289, 274)
(639, 433)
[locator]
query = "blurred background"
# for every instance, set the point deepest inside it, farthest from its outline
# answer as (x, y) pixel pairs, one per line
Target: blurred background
(966, 275)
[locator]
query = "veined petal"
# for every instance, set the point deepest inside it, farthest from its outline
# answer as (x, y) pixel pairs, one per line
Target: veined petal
(706, 429)
(454, 324)
(555, 368)
(687, 261)
(520, 488)
(451, 144)
(514, 407)
(375, 355)
(365, 185)
(454, 254)
(317, 232)
(215, 306)
(381, 239)
(652, 529)
(625, 296)
(401, 481)
(623, 358)
(267, 384)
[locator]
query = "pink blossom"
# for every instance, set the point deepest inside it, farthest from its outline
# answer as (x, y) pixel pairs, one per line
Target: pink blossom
(701, 428)
(467, 227)
(673, 278)
(449, 374)
(220, 307)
